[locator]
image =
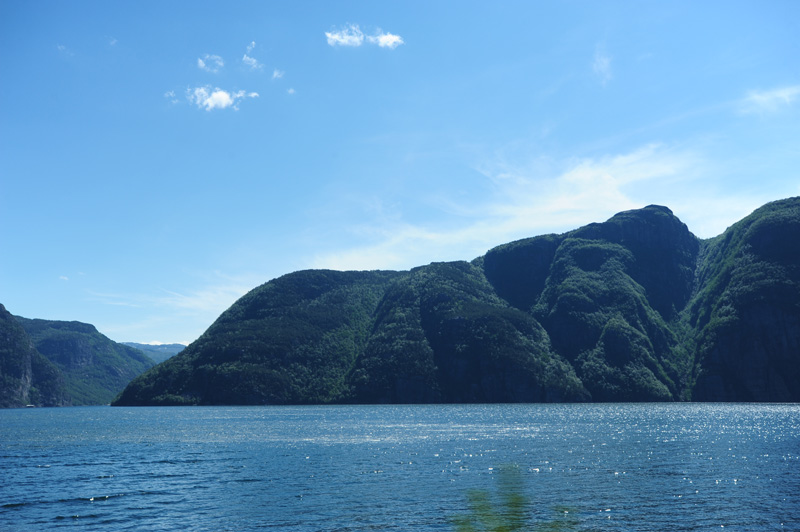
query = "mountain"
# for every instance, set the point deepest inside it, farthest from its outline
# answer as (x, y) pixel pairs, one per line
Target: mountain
(94, 369)
(26, 377)
(746, 312)
(159, 352)
(632, 309)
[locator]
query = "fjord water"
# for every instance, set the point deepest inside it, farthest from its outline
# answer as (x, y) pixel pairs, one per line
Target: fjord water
(645, 467)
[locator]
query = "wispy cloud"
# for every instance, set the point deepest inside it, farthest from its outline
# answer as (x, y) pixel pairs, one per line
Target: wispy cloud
(601, 65)
(277, 74)
(115, 300)
(210, 63)
(771, 100)
(171, 96)
(250, 61)
(351, 35)
(171, 308)
(63, 277)
(547, 196)
(64, 51)
(290, 91)
(215, 98)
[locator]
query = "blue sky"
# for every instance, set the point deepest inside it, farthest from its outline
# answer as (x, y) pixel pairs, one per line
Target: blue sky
(160, 159)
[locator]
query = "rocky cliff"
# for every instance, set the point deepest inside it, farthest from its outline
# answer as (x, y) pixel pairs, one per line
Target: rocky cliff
(26, 377)
(94, 368)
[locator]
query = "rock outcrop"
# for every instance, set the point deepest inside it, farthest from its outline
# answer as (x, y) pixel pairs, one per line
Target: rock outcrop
(26, 377)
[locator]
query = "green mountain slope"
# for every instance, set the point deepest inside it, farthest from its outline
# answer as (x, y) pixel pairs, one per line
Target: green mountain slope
(94, 368)
(632, 309)
(26, 377)
(292, 340)
(746, 313)
(157, 352)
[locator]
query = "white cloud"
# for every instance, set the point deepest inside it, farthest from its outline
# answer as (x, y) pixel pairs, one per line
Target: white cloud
(351, 35)
(63, 277)
(171, 96)
(277, 74)
(386, 40)
(546, 196)
(215, 98)
(252, 62)
(210, 63)
(113, 42)
(771, 100)
(290, 91)
(602, 65)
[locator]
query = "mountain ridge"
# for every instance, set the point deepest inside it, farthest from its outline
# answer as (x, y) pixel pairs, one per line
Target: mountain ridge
(157, 352)
(635, 308)
(62, 363)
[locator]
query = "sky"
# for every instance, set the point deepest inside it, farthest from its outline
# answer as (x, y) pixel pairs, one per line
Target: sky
(160, 159)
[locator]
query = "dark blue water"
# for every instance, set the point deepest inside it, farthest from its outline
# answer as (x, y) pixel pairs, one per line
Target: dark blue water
(615, 467)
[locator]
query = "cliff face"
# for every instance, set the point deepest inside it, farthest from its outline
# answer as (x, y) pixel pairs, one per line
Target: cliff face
(632, 309)
(26, 377)
(94, 369)
(747, 310)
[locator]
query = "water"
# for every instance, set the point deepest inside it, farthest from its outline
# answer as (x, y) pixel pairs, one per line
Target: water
(345, 468)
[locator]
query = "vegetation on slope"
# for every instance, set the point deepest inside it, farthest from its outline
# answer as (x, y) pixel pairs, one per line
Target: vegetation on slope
(26, 377)
(95, 369)
(745, 316)
(292, 340)
(632, 309)
(157, 352)
(442, 335)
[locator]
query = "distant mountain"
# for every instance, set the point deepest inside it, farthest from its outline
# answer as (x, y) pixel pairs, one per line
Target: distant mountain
(632, 309)
(92, 367)
(160, 352)
(26, 377)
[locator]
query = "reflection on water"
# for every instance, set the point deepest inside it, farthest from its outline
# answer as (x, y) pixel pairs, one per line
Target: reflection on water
(616, 467)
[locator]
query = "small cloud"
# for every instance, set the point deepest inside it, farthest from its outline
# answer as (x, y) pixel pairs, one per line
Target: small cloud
(290, 91)
(770, 101)
(63, 278)
(352, 35)
(63, 50)
(277, 74)
(113, 42)
(349, 36)
(171, 96)
(602, 65)
(252, 62)
(210, 63)
(386, 40)
(216, 98)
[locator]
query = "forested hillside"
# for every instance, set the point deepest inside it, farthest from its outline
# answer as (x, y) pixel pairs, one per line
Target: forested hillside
(58, 363)
(633, 309)
(26, 377)
(157, 352)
